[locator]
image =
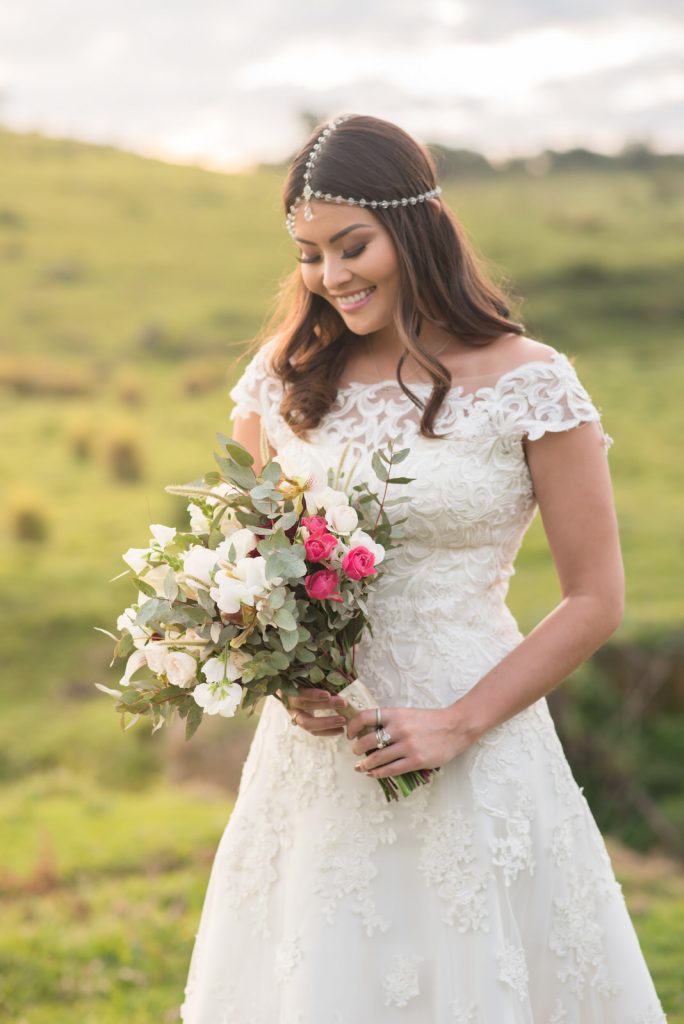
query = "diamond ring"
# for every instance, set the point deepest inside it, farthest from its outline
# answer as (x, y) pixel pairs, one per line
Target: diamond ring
(383, 738)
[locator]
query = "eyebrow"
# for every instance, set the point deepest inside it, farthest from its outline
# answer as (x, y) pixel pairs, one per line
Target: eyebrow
(338, 234)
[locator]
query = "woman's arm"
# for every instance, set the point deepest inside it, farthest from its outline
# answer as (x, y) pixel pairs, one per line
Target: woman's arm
(572, 484)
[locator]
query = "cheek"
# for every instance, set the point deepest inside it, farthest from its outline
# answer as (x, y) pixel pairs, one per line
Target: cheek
(384, 268)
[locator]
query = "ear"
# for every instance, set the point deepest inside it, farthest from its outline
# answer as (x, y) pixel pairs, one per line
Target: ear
(435, 201)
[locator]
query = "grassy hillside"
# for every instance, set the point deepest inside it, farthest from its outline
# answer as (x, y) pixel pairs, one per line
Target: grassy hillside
(128, 289)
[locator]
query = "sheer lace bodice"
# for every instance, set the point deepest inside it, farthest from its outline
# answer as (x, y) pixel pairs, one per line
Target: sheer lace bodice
(472, 500)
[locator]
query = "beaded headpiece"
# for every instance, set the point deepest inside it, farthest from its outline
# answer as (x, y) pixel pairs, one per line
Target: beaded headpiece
(307, 193)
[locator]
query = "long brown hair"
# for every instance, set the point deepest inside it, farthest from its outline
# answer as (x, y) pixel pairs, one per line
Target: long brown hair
(440, 276)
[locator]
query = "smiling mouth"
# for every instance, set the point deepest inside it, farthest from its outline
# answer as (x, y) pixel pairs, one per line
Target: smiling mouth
(356, 298)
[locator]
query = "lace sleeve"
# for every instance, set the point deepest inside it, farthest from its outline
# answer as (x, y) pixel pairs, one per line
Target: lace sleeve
(546, 396)
(249, 392)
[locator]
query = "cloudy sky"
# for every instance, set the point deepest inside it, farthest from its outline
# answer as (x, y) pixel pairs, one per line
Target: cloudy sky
(223, 82)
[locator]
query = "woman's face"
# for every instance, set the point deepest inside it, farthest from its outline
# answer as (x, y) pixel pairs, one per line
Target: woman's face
(348, 257)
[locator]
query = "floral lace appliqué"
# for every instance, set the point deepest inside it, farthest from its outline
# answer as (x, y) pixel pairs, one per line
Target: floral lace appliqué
(513, 969)
(463, 1015)
(577, 937)
(344, 858)
(448, 862)
(289, 954)
(401, 982)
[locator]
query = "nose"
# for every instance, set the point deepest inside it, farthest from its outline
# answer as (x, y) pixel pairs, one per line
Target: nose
(335, 274)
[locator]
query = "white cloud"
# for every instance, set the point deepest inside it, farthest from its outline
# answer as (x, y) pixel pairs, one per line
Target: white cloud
(223, 81)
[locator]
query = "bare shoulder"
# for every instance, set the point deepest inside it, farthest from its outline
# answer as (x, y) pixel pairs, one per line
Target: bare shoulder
(514, 350)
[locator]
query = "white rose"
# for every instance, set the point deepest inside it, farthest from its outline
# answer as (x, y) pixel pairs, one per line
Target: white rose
(163, 535)
(342, 518)
(155, 654)
(243, 541)
(198, 651)
(198, 521)
(180, 668)
(199, 561)
(156, 577)
(327, 498)
(218, 700)
(363, 539)
(136, 558)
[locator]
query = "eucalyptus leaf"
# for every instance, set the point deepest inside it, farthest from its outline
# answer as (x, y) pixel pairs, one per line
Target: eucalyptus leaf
(146, 588)
(152, 610)
(195, 715)
(289, 639)
(284, 618)
(272, 471)
(170, 587)
(238, 452)
(379, 468)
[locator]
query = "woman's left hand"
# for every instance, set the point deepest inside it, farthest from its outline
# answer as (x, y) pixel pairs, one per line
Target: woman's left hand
(421, 738)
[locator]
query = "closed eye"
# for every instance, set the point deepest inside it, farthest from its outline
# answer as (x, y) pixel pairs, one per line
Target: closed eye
(345, 255)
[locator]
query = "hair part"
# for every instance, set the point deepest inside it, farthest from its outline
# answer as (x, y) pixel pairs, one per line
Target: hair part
(441, 278)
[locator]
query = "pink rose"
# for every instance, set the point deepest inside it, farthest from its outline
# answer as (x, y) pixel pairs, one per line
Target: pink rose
(323, 584)
(320, 546)
(358, 562)
(315, 524)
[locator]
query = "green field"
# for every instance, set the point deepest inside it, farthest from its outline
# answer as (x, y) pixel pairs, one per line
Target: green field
(128, 289)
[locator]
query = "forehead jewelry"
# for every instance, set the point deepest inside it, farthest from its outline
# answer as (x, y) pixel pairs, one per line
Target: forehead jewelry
(308, 193)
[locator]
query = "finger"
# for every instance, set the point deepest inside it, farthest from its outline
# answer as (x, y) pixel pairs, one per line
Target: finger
(365, 744)
(379, 758)
(318, 725)
(359, 722)
(404, 764)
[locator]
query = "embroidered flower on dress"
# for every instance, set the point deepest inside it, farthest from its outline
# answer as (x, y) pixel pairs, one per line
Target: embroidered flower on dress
(343, 857)
(513, 969)
(461, 1015)
(401, 982)
(447, 862)
(288, 955)
(559, 1014)
(577, 936)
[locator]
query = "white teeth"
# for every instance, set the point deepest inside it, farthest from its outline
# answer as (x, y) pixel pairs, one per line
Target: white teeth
(351, 300)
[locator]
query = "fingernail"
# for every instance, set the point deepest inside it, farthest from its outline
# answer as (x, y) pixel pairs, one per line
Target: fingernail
(357, 766)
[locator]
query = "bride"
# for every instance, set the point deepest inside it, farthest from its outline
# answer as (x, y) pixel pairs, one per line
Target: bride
(486, 896)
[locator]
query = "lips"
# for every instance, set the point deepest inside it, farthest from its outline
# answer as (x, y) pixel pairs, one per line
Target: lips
(355, 298)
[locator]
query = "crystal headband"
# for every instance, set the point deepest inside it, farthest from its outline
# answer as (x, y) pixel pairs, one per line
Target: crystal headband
(307, 193)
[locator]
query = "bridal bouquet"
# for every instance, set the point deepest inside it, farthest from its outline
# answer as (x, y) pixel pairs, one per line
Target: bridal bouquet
(263, 594)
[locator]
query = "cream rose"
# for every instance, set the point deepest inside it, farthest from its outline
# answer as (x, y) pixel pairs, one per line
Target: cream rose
(342, 518)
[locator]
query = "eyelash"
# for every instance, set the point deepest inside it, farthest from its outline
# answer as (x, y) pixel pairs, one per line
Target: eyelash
(346, 255)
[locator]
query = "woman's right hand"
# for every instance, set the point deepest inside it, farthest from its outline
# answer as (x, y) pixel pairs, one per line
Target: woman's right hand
(303, 704)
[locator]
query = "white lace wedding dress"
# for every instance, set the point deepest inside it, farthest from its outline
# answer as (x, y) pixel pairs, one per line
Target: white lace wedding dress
(486, 897)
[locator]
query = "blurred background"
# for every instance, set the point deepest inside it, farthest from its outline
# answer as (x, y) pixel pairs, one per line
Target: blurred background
(142, 152)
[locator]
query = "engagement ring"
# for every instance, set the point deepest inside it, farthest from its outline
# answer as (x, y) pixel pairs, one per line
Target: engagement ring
(383, 738)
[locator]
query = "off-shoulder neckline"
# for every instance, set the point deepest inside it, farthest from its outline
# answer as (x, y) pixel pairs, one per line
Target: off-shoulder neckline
(557, 358)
